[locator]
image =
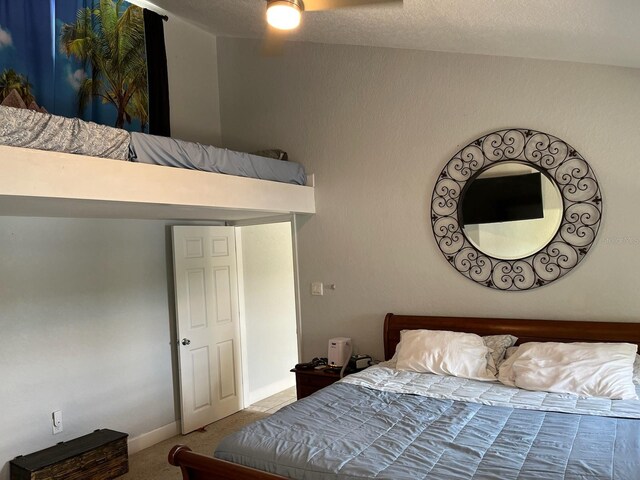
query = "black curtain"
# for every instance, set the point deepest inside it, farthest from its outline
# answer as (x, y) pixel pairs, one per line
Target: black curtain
(157, 78)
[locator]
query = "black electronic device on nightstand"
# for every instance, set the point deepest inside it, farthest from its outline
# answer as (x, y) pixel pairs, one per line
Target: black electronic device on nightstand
(359, 362)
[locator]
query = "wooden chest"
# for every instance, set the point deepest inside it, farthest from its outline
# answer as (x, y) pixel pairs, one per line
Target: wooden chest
(101, 455)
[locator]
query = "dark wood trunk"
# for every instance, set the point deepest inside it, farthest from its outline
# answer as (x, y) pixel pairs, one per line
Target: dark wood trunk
(101, 455)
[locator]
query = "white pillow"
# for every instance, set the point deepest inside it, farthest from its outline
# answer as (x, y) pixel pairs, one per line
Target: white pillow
(584, 369)
(499, 346)
(636, 370)
(444, 353)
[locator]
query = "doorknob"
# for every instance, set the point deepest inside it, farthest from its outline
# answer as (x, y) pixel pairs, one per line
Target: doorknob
(186, 341)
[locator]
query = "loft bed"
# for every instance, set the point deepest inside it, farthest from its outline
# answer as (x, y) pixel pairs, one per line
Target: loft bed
(91, 178)
(39, 183)
(352, 429)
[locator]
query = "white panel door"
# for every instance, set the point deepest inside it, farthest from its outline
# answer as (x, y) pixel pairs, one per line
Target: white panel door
(208, 327)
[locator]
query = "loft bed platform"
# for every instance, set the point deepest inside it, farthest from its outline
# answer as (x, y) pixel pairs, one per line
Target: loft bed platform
(37, 183)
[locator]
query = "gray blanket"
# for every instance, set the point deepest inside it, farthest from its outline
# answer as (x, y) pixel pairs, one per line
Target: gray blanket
(353, 432)
(195, 156)
(42, 131)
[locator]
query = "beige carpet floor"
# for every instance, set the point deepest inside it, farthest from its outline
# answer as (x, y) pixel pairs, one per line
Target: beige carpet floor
(152, 464)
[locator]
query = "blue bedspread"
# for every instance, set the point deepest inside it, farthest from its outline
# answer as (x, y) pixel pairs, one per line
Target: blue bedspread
(353, 432)
(195, 156)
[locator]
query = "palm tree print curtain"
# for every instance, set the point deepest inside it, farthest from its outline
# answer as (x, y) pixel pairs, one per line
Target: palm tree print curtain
(77, 58)
(25, 53)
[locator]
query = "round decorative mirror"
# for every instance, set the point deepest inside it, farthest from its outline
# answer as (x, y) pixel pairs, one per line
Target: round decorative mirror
(516, 209)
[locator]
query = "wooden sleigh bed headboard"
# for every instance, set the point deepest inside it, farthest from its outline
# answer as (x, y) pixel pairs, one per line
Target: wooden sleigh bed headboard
(195, 466)
(525, 330)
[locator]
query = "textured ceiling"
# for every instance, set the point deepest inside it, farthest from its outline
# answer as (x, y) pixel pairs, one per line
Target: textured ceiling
(592, 31)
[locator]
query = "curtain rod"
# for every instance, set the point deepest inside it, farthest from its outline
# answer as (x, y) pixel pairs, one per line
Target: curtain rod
(163, 17)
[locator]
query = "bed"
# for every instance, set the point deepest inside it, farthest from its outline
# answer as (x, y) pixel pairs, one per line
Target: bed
(43, 131)
(353, 429)
(55, 166)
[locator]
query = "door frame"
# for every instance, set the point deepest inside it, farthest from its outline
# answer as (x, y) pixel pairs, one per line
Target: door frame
(291, 218)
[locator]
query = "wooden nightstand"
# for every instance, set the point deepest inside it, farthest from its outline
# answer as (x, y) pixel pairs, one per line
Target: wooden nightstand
(310, 381)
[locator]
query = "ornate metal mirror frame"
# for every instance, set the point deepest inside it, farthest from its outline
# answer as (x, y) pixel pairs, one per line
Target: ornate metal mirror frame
(572, 175)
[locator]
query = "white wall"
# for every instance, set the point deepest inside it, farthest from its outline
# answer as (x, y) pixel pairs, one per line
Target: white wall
(86, 328)
(269, 309)
(193, 78)
(193, 82)
(86, 306)
(377, 125)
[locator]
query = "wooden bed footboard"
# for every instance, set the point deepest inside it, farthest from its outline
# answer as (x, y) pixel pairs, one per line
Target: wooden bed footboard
(195, 466)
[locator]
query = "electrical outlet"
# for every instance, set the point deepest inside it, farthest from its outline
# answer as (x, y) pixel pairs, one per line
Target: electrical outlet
(56, 418)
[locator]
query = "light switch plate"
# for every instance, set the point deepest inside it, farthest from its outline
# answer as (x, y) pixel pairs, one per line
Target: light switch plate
(317, 288)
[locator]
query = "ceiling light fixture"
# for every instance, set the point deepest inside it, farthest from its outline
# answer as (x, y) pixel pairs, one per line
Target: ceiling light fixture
(284, 14)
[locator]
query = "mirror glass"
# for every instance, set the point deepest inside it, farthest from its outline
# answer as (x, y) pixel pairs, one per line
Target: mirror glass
(510, 210)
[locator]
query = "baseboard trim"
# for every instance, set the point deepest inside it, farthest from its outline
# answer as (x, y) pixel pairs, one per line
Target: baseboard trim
(149, 439)
(271, 389)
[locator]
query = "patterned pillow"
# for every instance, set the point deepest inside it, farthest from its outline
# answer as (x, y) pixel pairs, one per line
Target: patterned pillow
(510, 351)
(274, 153)
(498, 345)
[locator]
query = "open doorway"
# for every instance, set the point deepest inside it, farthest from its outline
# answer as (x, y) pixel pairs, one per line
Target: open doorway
(236, 317)
(267, 309)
